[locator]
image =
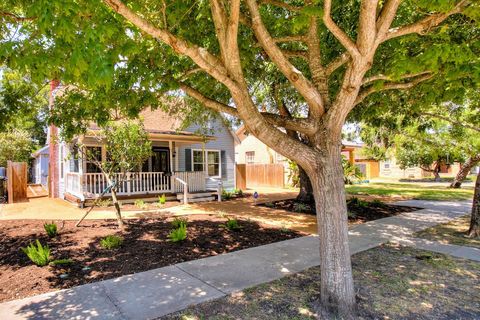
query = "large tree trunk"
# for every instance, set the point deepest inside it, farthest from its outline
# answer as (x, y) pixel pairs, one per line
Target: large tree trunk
(306, 191)
(474, 230)
(337, 299)
(464, 171)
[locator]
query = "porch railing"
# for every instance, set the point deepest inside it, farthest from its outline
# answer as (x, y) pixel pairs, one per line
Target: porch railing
(194, 179)
(93, 184)
(73, 184)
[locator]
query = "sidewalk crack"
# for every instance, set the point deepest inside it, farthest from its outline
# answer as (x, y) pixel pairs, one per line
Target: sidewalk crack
(114, 301)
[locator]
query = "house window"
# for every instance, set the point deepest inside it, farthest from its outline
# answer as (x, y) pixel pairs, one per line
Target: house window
(208, 160)
(386, 164)
(213, 163)
(197, 156)
(250, 157)
(93, 154)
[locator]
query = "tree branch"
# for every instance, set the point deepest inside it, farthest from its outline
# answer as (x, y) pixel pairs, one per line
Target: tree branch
(422, 26)
(389, 78)
(319, 77)
(448, 119)
(385, 19)
(15, 17)
(303, 125)
(298, 80)
(295, 53)
(336, 31)
(367, 30)
(297, 38)
(391, 86)
(205, 60)
(337, 63)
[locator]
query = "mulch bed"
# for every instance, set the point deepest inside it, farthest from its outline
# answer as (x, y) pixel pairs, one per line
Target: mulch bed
(359, 211)
(145, 246)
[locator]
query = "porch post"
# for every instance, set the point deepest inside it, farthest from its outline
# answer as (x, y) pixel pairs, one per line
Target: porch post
(170, 147)
(128, 183)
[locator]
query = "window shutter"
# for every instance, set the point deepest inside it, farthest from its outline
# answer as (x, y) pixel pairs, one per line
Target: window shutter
(188, 159)
(223, 160)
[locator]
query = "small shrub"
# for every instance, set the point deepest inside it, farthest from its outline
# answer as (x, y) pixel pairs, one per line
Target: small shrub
(270, 204)
(227, 195)
(61, 262)
(51, 229)
(140, 204)
(351, 215)
(238, 192)
(178, 234)
(40, 255)
(162, 199)
(105, 203)
(232, 224)
(179, 222)
(111, 242)
(301, 207)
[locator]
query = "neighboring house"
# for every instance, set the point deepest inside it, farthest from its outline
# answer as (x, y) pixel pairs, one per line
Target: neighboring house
(40, 166)
(389, 168)
(249, 150)
(201, 161)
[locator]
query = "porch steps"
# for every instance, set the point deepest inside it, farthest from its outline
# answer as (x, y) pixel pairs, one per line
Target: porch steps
(198, 196)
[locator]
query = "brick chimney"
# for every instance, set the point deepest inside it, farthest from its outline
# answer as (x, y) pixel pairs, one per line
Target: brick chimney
(53, 175)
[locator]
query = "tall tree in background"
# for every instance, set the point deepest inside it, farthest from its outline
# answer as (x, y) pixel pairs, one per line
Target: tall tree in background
(23, 105)
(423, 133)
(333, 55)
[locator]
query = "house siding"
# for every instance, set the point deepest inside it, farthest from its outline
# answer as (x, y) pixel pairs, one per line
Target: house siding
(223, 142)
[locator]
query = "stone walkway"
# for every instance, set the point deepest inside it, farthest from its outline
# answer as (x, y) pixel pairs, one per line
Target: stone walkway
(158, 292)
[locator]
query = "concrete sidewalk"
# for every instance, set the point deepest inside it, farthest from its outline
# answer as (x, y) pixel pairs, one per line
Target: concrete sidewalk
(158, 292)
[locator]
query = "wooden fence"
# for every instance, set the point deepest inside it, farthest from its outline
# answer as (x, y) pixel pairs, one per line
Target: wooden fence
(241, 176)
(265, 175)
(16, 181)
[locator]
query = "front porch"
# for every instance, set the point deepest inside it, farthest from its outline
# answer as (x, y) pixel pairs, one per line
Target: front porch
(89, 186)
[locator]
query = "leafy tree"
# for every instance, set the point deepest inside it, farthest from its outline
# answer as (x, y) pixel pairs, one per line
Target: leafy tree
(127, 148)
(426, 151)
(331, 56)
(15, 145)
(435, 134)
(23, 105)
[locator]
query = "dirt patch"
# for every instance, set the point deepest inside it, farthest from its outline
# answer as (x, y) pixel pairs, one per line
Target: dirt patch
(359, 211)
(392, 282)
(453, 232)
(145, 246)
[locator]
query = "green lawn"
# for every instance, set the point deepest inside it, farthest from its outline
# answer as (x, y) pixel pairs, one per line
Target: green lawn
(410, 190)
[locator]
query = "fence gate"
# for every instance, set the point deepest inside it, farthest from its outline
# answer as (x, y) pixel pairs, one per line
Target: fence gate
(265, 175)
(16, 181)
(241, 176)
